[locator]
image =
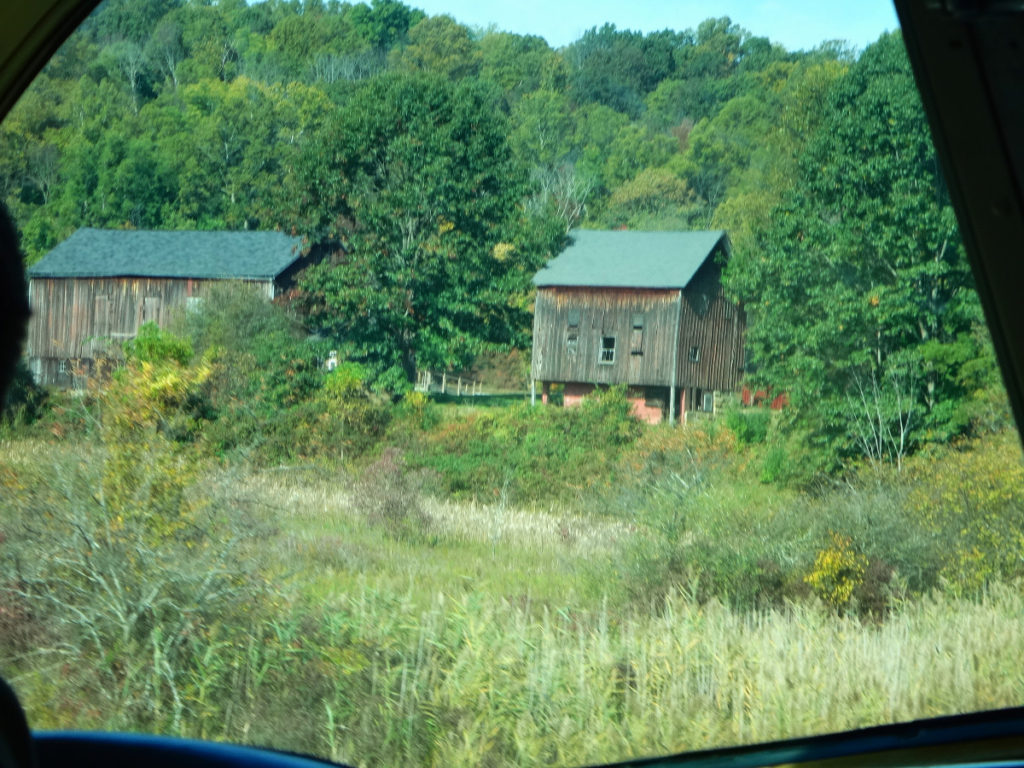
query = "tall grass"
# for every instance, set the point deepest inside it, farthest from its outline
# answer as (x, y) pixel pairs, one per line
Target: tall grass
(490, 633)
(489, 682)
(371, 680)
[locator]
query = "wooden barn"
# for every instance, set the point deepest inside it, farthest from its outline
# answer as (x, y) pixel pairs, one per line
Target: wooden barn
(93, 291)
(645, 309)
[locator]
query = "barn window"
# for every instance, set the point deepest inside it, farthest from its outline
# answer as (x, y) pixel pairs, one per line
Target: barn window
(636, 345)
(574, 318)
(607, 355)
(62, 366)
(572, 343)
(695, 354)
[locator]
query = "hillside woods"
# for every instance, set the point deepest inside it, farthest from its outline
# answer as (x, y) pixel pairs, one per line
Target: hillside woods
(225, 541)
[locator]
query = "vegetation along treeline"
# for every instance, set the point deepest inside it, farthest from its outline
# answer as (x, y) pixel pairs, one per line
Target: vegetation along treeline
(224, 540)
(450, 162)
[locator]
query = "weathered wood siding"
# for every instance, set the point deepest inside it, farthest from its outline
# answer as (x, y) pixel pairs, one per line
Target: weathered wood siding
(715, 326)
(710, 328)
(643, 356)
(82, 319)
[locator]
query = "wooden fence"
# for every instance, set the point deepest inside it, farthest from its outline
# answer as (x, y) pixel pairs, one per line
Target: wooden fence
(448, 384)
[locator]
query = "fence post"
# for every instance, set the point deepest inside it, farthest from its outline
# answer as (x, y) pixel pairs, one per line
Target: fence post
(444, 383)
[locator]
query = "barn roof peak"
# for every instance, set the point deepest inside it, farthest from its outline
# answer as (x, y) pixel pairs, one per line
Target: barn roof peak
(244, 255)
(631, 258)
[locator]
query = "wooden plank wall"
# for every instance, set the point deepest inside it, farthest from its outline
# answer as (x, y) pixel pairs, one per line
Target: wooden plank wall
(74, 318)
(604, 312)
(716, 327)
(707, 320)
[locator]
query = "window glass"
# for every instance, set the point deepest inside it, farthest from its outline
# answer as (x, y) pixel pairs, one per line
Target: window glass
(607, 352)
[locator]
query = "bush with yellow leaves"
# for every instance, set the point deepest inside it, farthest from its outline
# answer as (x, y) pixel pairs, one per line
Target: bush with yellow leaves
(973, 503)
(838, 572)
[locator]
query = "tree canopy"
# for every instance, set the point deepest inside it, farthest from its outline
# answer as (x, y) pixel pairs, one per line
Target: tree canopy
(441, 165)
(417, 184)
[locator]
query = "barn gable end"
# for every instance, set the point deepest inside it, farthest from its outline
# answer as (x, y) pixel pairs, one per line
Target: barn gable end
(644, 309)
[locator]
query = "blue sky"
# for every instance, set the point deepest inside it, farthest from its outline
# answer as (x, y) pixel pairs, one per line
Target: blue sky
(796, 24)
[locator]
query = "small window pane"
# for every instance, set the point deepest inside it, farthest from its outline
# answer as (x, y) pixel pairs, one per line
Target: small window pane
(638, 320)
(574, 318)
(694, 354)
(607, 355)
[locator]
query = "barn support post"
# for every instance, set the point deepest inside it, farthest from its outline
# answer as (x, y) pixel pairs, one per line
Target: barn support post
(533, 391)
(675, 362)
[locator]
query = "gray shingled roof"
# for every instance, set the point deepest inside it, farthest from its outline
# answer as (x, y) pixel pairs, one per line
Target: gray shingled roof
(140, 253)
(630, 259)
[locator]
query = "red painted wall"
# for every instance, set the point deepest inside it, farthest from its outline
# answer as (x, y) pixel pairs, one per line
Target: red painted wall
(763, 397)
(645, 413)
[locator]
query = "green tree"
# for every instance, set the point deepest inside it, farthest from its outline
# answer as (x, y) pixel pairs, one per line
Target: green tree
(763, 180)
(439, 44)
(656, 199)
(384, 23)
(543, 129)
(862, 302)
(521, 64)
(416, 180)
(618, 68)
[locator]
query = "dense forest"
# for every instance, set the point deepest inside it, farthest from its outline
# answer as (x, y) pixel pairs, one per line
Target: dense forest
(448, 164)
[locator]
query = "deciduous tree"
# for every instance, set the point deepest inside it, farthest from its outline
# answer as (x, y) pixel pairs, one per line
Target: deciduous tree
(416, 182)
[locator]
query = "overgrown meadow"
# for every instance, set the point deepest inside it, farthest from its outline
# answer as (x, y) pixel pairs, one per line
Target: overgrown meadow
(291, 559)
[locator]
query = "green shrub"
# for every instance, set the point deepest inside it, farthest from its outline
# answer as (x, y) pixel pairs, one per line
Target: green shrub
(153, 345)
(25, 401)
(529, 454)
(971, 500)
(750, 425)
(132, 571)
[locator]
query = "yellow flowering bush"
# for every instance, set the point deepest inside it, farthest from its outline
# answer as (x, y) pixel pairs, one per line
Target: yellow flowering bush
(838, 571)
